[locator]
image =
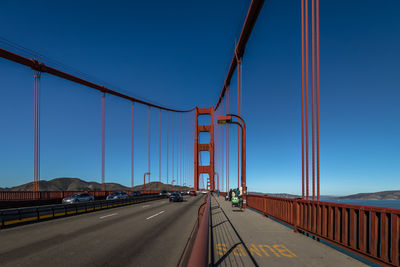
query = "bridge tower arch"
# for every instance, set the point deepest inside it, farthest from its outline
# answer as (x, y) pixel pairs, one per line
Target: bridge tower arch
(204, 147)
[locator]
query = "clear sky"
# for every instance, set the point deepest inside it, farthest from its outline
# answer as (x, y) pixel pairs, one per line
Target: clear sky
(177, 53)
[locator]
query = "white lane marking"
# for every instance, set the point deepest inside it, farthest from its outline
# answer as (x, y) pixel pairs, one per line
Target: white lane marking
(105, 216)
(145, 206)
(155, 215)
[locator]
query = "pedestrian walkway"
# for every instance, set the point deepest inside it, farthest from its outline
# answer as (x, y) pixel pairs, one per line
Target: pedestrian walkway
(248, 238)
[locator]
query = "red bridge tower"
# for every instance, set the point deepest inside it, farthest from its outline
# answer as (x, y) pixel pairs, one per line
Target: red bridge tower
(204, 147)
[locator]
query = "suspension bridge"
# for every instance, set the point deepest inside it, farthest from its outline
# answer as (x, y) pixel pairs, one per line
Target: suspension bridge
(205, 230)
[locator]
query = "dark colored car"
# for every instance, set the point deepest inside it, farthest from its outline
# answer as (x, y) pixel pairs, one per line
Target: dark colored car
(176, 197)
(117, 195)
(135, 194)
(78, 197)
(164, 193)
(192, 193)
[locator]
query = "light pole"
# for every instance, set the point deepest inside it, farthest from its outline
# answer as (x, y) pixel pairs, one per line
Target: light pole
(144, 180)
(242, 125)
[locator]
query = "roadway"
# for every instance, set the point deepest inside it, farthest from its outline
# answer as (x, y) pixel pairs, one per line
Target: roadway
(146, 234)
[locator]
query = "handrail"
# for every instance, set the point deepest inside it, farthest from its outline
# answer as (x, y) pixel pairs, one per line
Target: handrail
(199, 254)
(371, 232)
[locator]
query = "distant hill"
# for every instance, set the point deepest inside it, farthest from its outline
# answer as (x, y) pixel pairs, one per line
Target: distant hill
(383, 195)
(76, 184)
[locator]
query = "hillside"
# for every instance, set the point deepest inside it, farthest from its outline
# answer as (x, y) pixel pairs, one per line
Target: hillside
(76, 184)
(383, 195)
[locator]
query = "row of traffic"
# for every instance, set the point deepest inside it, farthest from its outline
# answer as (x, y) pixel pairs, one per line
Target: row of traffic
(86, 197)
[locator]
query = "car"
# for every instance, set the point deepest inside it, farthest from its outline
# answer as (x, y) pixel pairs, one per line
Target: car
(135, 194)
(176, 197)
(117, 195)
(78, 197)
(164, 193)
(192, 193)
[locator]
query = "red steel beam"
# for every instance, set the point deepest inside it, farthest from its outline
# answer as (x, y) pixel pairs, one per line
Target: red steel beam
(41, 67)
(251, 18)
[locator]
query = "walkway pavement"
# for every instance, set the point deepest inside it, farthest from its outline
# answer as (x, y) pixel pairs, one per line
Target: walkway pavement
(247, 238)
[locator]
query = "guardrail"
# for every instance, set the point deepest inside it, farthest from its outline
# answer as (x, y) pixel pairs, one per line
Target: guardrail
(371, 232)
(47, 195)
(10, 217)
(199, 253)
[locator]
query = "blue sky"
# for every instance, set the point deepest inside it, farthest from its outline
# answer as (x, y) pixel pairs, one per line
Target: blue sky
(177, 54)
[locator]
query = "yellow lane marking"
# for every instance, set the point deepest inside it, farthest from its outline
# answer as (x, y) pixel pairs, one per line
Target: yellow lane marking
(261, 250)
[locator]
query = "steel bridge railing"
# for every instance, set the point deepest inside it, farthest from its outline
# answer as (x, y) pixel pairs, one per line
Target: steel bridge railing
(371, 232)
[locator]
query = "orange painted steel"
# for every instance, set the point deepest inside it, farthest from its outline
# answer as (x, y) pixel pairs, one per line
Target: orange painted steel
(302, 99)
(167, 149)
(159, 147)
(103, 142)
(41, 67)
(313, 95)
(306, 79)
(148, 143)
(199, 254)
(132, 148)
(198, 170)
(317, 85)
(250, 21)
(37, 132)
(371, 232)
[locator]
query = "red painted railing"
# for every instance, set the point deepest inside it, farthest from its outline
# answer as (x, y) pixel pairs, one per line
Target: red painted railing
(48, 195)
(199, 253)
(371, 232)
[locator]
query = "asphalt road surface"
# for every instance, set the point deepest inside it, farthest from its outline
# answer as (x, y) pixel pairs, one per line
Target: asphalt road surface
(146, 234)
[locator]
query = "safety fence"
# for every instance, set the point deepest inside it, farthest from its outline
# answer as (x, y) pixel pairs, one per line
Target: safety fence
(48, 195)
(372, 232)
(11, 217)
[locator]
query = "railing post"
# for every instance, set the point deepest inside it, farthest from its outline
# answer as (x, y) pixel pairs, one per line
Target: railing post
(295, 215)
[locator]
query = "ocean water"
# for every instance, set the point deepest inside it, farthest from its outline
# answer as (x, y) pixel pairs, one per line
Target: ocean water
(391, 204)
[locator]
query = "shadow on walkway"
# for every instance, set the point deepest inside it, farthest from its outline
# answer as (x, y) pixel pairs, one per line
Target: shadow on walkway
(228, 248)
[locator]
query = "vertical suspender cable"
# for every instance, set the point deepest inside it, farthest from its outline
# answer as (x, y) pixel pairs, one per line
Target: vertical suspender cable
(177, 150)
(103, 145)
(302, 98)
(313, 95)
(226, 146)
(159, 147)
(148, 119)
(317, 84)
(167, 149)
(38, 137)
(228, 143)
(35, 134)
(183, 149)
(306, 77)
(36, 184)
(132, 149)
(173, 150)
(238, 112)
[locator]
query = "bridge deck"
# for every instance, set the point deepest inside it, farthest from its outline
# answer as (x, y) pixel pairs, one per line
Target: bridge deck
(249, 239)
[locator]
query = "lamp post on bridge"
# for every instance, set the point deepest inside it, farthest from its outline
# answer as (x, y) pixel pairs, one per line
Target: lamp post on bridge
(228, 119)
